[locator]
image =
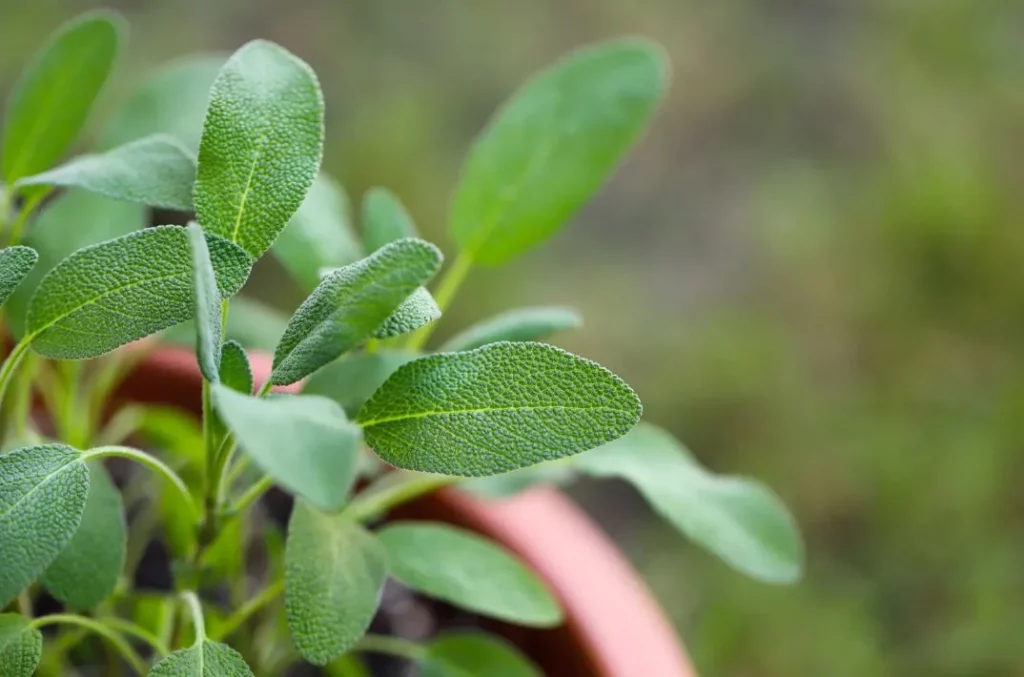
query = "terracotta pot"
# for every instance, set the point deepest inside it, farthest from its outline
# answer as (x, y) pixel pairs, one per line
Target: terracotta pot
(613, 628)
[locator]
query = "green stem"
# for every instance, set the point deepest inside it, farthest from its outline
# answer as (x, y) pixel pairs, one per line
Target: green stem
(18, 225)
(10, 365)
(137, 631)
(196, 609)
(21, 410)
(251, 608)
(150, 462)
(446, 290)
(222, 471)
(394, 646)
(251, 495)
(116, 641)
(372, 503)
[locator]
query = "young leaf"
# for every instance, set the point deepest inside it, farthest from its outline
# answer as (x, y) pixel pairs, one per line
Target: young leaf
(552, 145)
(50, 103)
(469, 654)
(261, 145)
(494, 409)
(319, 235)
(523, 324)
(351, 380)
(384, 219)
(235, 370)
(206, 297)
(304, 442)
(334, 574)
(204, 659)
(419, 310)
(43, 491)
(349, 305)
(463, 569)
(21, 646)
(110, 294)
(15, 264)
(738, 519)
(87, 570)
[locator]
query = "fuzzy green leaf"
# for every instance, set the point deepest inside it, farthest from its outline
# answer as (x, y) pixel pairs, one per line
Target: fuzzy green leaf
(304, 442)
(319, 235)
(494, 409)
(738, 519)
(51, 101)
(205, 659)
(384, 219)
(43, 491)
(110, 294)
(157, 171)
(419, 310)
(87, 570)
(334, 574)
(235, 370)
(350, 381)
(21, 646)
(522, 324)
(206, 298)
(261, 145)
(553, 145)
(15, 264)
(463, 569)
(470, 654)
(349, 305)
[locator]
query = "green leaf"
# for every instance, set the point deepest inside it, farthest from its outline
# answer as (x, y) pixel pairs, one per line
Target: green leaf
(523, 324)
(261, 146)
(205, 659)
(319, 235)
(463, 569)
(157, 171)
(110, 294)
(553, 145)
(235, 370)
(50, 103)
(250, 322)
(419, 310)
(470, 654)
(43, 491)
(206, 297)
(334, 574)
(384, 219)
(15, 264)
(494, 409)
(87, 570)
(351, 380)
(739, 520)
(349, 305)
(171, 101)
(21, 646)
(304, 442)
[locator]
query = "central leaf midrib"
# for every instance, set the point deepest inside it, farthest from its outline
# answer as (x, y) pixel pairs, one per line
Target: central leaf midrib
(46, 480)
(485, 410)
(259, 145)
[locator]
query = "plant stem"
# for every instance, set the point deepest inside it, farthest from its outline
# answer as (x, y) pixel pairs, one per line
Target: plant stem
(116, 641)
(446, 290)
(196, 609)
(150, 462)
(137, 631)
(10, 365)
(372, 503)
(18, 225)
(248, 610)
(395, 646)
(226, 453)
(252, 494)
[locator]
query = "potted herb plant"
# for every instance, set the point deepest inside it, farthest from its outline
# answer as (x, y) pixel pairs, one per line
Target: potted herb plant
(382, 426)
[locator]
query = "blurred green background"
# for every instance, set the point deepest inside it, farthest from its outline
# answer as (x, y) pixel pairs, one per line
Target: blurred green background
(809, 270)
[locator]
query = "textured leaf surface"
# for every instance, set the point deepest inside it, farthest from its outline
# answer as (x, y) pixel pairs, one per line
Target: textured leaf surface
(235, 370)
(349, 305)
(261, 145)
(21, 646)
(110, 294)
(470, 654)
(419, 310)
(304, 442)
(522, 324)
(51, 101)
(334, 574)
(319, 235)
(87, 570)
(739, 520)
(351, 380)
(207, 659)
(15, 264)
(206, 297)
(494, 409)
(384, 219)
(43, 491)
(552, 145)
(156, 171)
(463, 569)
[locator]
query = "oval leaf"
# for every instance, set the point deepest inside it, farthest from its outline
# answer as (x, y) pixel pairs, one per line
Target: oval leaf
(552, 145)
(523, 324)
(43, 491)
(351, 381)
(50, 103)
(21, 646)
(463, 569)
(206, 298)
(304, 442)
(419, 310)
(110, 294)
(498, 408)
(384, 219)
(205, 659)
(349, 305)
(261, 146)
(15, 264)
(470, 654)
(235, 370)
(334, 574)
(739, 520)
